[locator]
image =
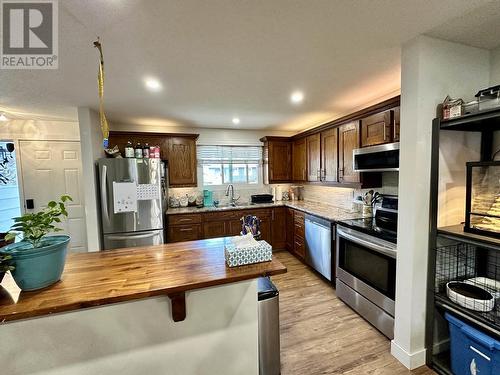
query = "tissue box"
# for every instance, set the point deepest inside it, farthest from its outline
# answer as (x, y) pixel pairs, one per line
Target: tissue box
(262, 252)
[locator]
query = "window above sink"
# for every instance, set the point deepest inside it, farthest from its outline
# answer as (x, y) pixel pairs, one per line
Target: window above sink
(222, 165)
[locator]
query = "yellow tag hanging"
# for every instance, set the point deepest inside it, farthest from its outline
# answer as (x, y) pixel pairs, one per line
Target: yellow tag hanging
(100, 85)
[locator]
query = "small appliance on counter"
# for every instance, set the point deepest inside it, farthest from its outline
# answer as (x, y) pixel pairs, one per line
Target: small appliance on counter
(482, 205)
(261, 198)
(208, 198)
(297, 192)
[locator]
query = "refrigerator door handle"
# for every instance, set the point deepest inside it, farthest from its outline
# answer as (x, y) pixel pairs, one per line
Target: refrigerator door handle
(134, 236)
(104, 192)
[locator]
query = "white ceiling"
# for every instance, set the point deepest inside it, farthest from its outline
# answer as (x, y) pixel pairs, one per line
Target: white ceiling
(479, 27)
(222, 58)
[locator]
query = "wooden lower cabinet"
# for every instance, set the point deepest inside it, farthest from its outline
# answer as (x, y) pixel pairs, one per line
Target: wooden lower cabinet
(279, 228)
(185, 232)
(187, 227)
(214, 229)
(289, 229)
(299, 248)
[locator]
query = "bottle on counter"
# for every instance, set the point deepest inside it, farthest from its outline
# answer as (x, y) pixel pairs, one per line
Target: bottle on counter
(145, 151)
(138, 151)
(129, 150)
(157, 152)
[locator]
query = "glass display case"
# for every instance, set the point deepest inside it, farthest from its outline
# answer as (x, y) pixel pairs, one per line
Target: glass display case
(482, 207)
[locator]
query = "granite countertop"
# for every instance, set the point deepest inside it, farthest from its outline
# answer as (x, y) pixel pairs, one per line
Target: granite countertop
(322, 210)
(96, 279)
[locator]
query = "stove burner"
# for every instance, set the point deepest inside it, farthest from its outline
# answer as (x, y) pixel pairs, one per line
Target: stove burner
(383, 225)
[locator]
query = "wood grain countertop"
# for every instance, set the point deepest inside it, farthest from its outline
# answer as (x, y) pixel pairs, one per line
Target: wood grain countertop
(95, 279)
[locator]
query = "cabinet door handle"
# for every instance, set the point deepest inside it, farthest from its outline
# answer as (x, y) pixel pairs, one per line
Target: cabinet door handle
(186, 229)
(385, 132)
(184, 220)
(318, 174)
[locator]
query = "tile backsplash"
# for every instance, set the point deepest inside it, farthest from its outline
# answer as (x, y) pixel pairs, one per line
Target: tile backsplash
(335, 196)
(219, 193)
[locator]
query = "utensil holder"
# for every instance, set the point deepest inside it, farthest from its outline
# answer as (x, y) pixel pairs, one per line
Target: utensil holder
(367, 210)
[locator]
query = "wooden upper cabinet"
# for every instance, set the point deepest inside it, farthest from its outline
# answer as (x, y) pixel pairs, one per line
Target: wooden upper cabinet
(329, 155)
(396, 122)
(178, 149)
(182, 161)
(313, 147)
(280, 158)
(376, 129)
(299, 160)
(348, 141)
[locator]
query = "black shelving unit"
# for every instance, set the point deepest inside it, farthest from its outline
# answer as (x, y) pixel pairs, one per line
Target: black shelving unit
(484, 122)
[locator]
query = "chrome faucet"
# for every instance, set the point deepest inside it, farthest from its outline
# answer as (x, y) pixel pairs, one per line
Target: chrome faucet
(230, 194)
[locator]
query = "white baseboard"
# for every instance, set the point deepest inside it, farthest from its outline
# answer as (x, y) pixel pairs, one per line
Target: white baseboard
(410, 361)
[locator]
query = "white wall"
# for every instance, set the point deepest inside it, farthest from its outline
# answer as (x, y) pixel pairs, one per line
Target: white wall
(218, 337)
(495, 67)
(229, 137)
(431, 69)
(39, 130)
(91, 145)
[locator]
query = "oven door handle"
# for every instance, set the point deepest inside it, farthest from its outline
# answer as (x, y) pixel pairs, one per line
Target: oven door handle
(367, 241)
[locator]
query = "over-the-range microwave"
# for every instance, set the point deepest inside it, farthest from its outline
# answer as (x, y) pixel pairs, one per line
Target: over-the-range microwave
(380, 158)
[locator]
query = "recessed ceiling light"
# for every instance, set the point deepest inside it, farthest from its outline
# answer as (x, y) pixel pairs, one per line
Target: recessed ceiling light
(236, 120)
(152, 84)
(297, 97)
(3, 117)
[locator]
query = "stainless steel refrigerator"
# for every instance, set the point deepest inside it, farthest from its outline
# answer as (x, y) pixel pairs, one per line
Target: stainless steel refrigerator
(131, 202)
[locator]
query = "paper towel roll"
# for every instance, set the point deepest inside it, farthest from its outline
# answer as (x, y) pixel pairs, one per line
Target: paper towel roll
(279, 193)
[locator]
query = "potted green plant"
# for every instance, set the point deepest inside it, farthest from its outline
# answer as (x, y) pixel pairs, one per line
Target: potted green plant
(5, 265)
(38, 259)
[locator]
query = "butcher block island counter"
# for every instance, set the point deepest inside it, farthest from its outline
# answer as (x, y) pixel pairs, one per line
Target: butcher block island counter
(174, 308)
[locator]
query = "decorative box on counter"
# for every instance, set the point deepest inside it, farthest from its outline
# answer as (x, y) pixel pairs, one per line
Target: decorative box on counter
(241, 250)
(482, 207)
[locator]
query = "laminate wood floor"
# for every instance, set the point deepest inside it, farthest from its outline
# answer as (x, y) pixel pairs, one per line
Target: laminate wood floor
(322, 335)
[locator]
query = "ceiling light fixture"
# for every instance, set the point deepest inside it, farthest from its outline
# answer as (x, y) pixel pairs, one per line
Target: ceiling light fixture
(3, 117)
(152, 84)
(297, 97)
(236, 120)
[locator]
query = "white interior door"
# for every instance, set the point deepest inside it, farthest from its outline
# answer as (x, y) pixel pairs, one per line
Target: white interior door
(51, 169)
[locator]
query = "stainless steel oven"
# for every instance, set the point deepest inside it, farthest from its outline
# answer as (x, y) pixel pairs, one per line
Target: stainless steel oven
(366, 276)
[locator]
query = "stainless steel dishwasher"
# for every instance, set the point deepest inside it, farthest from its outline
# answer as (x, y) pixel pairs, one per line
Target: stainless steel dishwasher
(319, 245)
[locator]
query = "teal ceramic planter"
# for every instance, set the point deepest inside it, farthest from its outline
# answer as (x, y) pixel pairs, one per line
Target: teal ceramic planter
(37, 268)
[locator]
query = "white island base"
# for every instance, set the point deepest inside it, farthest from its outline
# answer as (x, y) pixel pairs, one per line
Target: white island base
(218, 337)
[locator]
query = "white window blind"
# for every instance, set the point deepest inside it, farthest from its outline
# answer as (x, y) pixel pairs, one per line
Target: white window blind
(229, 154)
(230, 164)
